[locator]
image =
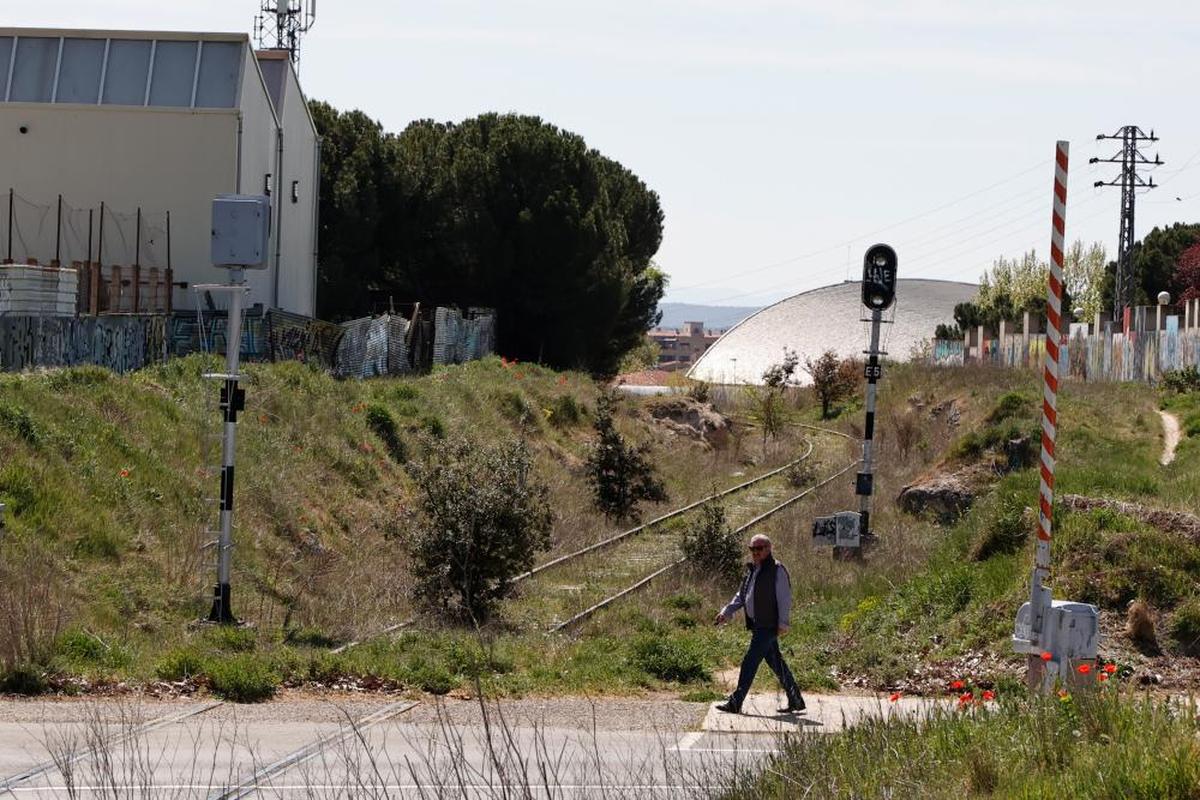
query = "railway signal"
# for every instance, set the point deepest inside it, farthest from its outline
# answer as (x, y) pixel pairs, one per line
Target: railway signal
(1056, 635)
(848, 531)
(240, 236)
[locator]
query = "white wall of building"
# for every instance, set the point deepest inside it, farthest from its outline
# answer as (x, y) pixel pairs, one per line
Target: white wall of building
(157, 158)
(173, 158)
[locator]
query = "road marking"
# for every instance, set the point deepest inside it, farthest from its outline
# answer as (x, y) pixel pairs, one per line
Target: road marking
(8, 784)
(252, 784)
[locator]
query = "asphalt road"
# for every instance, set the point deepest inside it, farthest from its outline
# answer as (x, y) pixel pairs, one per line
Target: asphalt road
(389, 747)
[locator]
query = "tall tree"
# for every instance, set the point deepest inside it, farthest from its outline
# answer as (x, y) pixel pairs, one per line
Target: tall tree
(1154, 261)
(510, 212)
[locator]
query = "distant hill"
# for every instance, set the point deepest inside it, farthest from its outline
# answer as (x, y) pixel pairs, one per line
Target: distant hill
(714, 317)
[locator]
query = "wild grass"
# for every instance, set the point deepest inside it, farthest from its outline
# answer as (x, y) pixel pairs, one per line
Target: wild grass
(1091, 744)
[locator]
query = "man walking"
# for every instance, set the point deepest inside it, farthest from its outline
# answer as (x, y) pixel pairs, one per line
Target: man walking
(766, 597)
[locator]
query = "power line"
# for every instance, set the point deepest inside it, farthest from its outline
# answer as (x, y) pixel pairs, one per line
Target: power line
(863, 236)
(1130, 158)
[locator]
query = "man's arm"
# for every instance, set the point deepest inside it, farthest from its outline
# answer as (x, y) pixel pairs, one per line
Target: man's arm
(783, 596)
(731, 608)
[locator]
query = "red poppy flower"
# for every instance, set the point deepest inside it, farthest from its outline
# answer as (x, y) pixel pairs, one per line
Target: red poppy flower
(1084, 669)
(124, 473)
(895, 696)
(1046, 656)
(519, 375)
(1110, 668)
(262, 418)
(1102, 677)
(988, 694)
(965, 698)
(957, 685)
(562, 381)
(1063, 694)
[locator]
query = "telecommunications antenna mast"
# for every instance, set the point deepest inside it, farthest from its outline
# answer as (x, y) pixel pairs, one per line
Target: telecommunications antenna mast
(280, 24)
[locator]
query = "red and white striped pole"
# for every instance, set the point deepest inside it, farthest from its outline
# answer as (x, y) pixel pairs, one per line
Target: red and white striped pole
(1039, 595)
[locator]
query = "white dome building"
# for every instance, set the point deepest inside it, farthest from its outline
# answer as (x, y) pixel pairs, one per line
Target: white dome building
(829, 318)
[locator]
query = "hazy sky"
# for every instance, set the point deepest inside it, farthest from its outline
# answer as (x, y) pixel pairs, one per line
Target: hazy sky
(783, 137)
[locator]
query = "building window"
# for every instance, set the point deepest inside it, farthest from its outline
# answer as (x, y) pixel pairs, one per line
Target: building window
(125, 74)
(79, 71)
(174, 74)
(33, 71)
(220, 68)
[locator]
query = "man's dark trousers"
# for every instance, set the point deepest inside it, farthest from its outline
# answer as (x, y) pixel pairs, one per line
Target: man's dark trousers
(764, 645)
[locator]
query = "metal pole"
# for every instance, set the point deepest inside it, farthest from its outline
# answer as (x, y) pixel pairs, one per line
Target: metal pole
(100, 237)
(1039, 593)
(8, 258)
(58, 235)
(232, 401)
(137, 240)
(168, 240)
(866, 480)
(89, 250)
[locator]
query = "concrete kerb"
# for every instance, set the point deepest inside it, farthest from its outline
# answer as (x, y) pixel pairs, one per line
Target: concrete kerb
(825, 713)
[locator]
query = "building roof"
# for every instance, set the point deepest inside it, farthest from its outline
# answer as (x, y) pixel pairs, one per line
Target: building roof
(121, 68)
(828, 318)
(646, 377)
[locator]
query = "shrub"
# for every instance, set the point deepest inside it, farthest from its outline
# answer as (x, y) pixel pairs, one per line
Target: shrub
(619, 474)
(516, 408)
(1182, 381)
(710, 545)
(689, 600)
(1005, 532)
(833, 379)
(33, 604)
(483, 517)
(405, 391)
(19, 423)
(179, 665)
(433, 425)
(381, 423)
(669, 658)
(241, 678)
(232, 638)
(566, 411)
(25, 679)
(309, 637)
(699, 391)
(1185, 626)
(801, 473)
(1010, 404)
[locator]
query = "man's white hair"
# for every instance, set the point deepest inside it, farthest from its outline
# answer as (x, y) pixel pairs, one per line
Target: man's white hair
(760, 537)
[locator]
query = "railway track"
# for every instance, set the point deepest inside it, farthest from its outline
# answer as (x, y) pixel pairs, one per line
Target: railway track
(568, 589)
(623, 536)
(647, 579)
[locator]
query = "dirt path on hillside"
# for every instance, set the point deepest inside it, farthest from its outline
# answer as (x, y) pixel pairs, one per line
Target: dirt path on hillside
(1170, 436)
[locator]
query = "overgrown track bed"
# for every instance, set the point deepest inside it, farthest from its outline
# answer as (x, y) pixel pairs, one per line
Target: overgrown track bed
(678, 562)
(567, 590)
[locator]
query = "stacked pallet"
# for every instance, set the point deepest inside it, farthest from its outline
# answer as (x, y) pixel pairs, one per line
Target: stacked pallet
(36, 290)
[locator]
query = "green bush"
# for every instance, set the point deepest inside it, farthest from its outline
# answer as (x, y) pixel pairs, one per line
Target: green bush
(1185, 626)
(232, 638)
(619, 475)
(405, 391)
(710, 545)
(484, 515)
(1011, 404)
(179, 664)
(241, 678)
(80, 649)
(25, 679)
(1004, 532)
(675, 659)
(515, 407)
(309, 637)
(381, 423)
(18, 422)
(566, 411)
(432, 678)
(433, 425)
(1182, 381)
(689, 600)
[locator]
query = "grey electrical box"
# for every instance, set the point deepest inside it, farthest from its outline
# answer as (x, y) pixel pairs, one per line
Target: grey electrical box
(241, 228)
(1071, 631)
(839, 530)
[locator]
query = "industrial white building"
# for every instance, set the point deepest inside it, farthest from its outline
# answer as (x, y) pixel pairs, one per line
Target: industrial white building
(165, 121)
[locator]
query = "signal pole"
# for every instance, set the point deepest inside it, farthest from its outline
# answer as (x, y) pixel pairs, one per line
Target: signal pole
(1130, 158)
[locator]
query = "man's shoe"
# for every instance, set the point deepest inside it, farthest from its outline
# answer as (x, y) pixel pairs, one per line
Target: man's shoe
(729, 708)
(794, 706)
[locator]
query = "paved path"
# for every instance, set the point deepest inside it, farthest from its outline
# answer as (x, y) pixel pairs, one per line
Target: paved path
(641, 748)
(1171, 436)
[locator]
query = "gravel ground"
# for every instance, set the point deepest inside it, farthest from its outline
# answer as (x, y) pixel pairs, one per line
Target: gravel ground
(605, 713)
(655, 713)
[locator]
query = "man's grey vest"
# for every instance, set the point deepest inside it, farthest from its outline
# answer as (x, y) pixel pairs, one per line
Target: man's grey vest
(766, 606)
